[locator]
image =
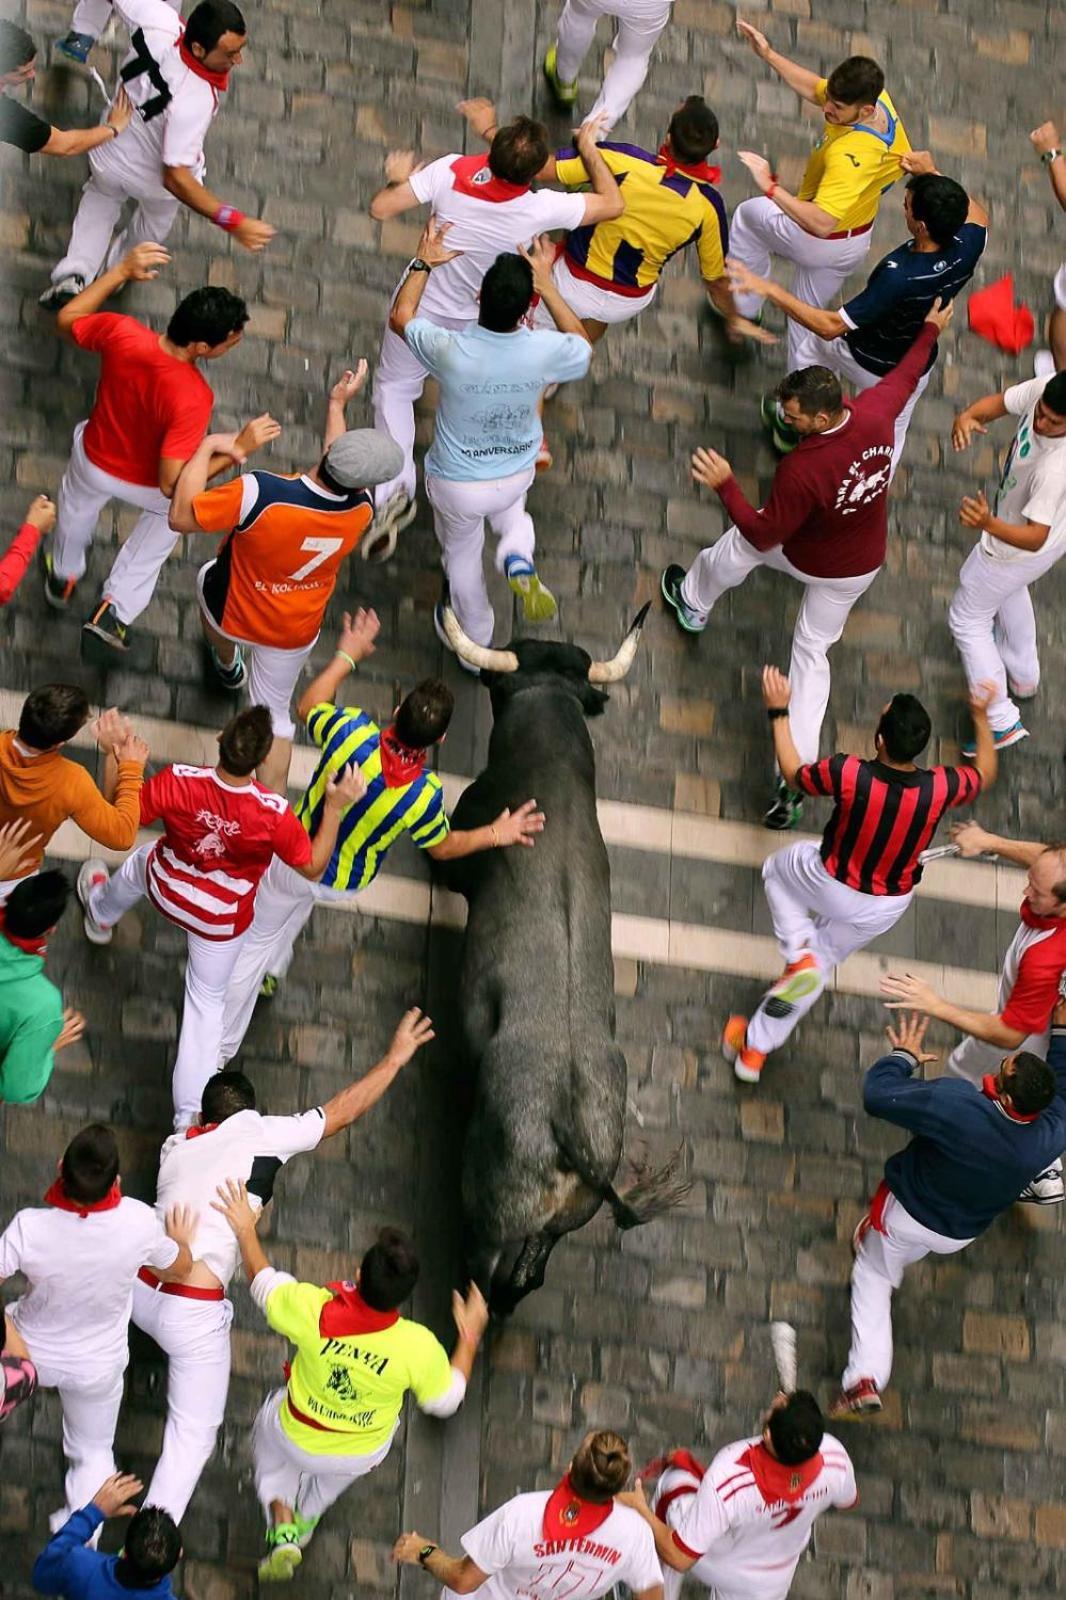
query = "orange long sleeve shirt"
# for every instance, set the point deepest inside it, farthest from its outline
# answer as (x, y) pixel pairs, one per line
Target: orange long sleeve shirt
(47, 789)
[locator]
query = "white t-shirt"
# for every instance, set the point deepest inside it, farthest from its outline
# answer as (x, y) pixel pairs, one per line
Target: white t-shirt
(1032, 487)
(745, 1545)
(246, 1147)
(482, 229)
(81, 1271)
(510, 1546)
(175, 106)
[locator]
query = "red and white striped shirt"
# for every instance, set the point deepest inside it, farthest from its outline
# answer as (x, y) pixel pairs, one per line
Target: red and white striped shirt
(218, 840)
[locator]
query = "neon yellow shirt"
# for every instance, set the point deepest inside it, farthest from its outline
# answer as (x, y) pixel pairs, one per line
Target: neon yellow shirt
(353, 1386)
(849, 169)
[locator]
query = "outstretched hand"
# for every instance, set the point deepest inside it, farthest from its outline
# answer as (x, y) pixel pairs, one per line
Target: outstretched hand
(909, 1035)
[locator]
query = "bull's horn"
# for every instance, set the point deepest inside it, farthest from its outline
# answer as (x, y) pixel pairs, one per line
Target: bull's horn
(478, 655)
(611, 671)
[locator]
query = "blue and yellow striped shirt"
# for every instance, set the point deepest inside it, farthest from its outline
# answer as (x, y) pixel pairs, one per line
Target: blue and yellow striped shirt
(372, 825)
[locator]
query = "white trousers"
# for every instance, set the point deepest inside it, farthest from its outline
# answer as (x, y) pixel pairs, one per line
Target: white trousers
(639, 24)
(207, 974)
(93, 16)
(460, 511)
(83, 493)
(398, 382)
(823, 613)
(272, 674)
(90, 1402)
(759, 231)
(112, 182)
(589, 300)
(994, 626)
(308, 1483)
(880, 1262)
(812, 911)
(194, 1336)
(835, 354)
(284, 901)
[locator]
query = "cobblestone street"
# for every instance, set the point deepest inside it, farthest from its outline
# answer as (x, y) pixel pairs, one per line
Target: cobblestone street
(661, 1332)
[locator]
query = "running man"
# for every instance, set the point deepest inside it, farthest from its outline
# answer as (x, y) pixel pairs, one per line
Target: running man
(402, 796)
(824, 229)
(355, 1360)
(190, 1320)
(264, 594)
(1048, 146)
(639, 24)
(830, 899)
(1021, 536)
(221, 830)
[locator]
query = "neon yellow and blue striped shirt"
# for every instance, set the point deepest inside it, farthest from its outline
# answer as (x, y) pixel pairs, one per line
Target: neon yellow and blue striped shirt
(371, 826)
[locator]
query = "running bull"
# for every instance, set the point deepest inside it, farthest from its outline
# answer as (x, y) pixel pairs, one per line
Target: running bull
(537, 989)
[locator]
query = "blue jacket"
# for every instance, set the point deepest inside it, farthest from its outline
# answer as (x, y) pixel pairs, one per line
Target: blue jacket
(66, 1567)
(968, 1160)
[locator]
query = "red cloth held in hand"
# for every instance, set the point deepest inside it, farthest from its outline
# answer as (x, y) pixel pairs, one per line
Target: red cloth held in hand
(994, 316)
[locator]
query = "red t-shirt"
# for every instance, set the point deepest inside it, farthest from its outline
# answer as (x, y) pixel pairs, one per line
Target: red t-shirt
(828, 507)
(148, 405)
(217, 842)
(1032, 968)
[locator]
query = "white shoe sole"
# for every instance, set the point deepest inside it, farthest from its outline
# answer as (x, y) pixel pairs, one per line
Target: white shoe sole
(745, 1074)
(95, 932)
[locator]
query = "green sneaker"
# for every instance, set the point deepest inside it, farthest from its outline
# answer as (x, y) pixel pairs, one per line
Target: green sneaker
(269, 987)
(670, 584)
(305, 1527)
(538, 603)
(785, 810)
(783, 438)
(564, 94)
(284, 1556)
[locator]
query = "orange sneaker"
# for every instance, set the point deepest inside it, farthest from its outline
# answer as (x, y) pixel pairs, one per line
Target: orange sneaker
(747, 1064)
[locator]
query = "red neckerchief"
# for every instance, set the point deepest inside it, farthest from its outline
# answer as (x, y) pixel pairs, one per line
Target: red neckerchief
(1032, 920)
(33, 947)
(990, 1092)
(400, 763)
(194, 1133)
(217, 80)
(567, 1516)
(474, 177)
(688, 169)
(56, 1196)
(348, 1313)
(774, 1480)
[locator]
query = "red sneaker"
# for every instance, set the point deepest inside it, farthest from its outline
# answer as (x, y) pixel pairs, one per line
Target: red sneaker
(746, 1063)
(863, 1399)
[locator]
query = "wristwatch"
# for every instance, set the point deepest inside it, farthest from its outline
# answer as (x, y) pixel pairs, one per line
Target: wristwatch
(1048, 156)
(418, 265)
(425, 1553)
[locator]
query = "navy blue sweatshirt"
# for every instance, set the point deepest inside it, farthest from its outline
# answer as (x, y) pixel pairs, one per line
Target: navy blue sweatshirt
(65, 1566)
(968, 1160)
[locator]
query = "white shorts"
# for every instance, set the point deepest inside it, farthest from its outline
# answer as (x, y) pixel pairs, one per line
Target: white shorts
(272, 674)
(589, 300)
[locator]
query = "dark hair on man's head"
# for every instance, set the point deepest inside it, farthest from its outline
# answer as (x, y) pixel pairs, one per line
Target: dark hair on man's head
(693, 130)
(389, 1270)
(425, 713)
(36, 904)
(506, 292)
(858, 81)
(17, 48)
(1032, 1088)
(601, 1466)
(90, 1164)
(1054, 395)
(519, 150)
(151, 1549)
(52, 714)
(905, 728)
(226, 1093)
(207, 316)
(245, 741)
(940, 203)
(208, 21)
(796, 1428)
(814, 389)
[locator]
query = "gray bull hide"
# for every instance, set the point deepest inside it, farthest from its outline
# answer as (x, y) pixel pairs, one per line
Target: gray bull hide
(537, 989)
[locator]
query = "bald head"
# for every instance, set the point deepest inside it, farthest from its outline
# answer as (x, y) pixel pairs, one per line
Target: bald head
(1045, 888)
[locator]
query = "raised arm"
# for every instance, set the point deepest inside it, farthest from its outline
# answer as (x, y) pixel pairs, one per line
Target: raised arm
(248, 231)
(826, 324)
(397, 195)
(606, 200)
(1045, 141)
(79, 141)
(139, 266)
(414, 1031)
(801, 79)
(905, 990)
(345, 389)
(973, 840)
(354, 644)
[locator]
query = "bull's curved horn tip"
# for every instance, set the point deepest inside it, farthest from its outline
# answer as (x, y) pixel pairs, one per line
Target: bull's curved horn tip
(641, 617)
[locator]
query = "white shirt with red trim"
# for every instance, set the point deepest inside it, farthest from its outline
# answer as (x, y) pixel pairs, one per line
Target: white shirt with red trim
(81, 1271)
(510, 1546)
(488, 219)
(247, 1147)
(1032, 967)
(749, 1549)
(218, 840)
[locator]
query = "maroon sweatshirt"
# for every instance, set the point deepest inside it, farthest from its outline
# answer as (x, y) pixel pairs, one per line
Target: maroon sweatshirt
(828, 505)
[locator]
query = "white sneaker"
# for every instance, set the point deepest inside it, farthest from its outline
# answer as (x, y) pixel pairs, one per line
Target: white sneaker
(379, 541)
(93, 875)
(1046, 1188)
(57, 295)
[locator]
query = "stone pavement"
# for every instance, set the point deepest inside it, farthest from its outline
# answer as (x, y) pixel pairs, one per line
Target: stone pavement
(663, 1332)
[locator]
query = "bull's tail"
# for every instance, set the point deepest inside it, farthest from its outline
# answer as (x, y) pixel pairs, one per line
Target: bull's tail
(649, 1191)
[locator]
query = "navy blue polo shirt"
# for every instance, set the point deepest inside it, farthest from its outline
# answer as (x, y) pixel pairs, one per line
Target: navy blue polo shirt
(886, 317)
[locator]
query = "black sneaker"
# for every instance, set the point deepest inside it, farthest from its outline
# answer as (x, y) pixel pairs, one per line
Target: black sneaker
(104, 625)
(57, 295)
(57, 590)
(670, 584)
(785, 810)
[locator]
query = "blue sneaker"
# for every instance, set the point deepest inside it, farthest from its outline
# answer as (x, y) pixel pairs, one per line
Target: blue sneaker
(1002, 739)
(538, 603)
(75, 46)
(670, 584)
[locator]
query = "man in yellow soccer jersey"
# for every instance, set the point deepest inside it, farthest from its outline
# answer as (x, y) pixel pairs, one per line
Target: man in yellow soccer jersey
(824, 228)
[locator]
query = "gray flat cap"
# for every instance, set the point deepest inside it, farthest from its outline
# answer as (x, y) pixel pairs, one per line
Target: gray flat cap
(364, 457)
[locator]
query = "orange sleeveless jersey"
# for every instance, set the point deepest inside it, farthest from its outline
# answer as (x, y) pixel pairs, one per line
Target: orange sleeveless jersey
(272, 578)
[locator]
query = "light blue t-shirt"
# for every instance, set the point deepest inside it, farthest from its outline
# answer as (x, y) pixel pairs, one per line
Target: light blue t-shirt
(488, 425)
